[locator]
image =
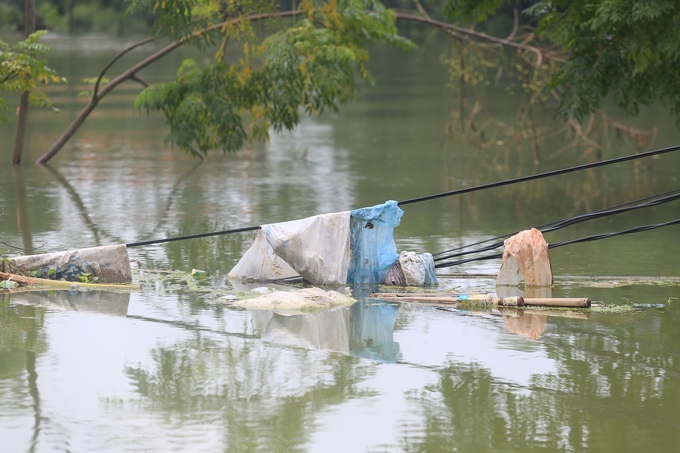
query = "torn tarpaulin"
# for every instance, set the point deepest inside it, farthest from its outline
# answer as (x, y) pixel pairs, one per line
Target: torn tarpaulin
(347, 247)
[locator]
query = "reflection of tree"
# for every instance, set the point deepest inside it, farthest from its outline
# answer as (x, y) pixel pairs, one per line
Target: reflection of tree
(204, 253)
(21, 330)
(609, 375)
(22, 207)
(97, 233)
(22, 339)
(266, 397)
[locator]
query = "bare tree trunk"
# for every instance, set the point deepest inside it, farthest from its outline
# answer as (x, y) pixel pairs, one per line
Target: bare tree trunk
(22, 113)
(71, 7)
(29, 28)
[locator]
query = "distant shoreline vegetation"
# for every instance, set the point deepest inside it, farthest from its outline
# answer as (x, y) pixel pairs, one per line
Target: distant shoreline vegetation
(103, 16)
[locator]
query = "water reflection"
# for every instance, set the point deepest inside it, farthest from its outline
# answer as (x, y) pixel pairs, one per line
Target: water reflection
(100, 302)
(366, 329)
(472, 408)
(327, 330)
(527, 325)
(261, 398)
(22, 208)
(403, 378)
(22, 339)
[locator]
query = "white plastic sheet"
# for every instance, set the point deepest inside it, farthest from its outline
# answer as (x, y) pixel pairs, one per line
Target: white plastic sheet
(260, 263)
(315, 248)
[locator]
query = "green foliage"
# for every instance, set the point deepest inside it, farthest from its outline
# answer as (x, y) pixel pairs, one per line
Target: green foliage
(93, 81)
(9, 16)
(308, 66)
(625, 50)
(86, 277)
(22, 70)
(471, 10)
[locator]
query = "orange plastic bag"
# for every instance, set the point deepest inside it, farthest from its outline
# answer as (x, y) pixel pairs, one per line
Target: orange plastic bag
(526, 259)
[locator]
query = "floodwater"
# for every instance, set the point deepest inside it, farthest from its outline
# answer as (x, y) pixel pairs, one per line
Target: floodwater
(170, 367)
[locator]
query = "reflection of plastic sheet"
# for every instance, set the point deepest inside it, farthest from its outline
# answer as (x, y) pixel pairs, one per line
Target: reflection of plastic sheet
(325, 330)
(101, 302)
(363, 330)
(372, 238)
(372, 331)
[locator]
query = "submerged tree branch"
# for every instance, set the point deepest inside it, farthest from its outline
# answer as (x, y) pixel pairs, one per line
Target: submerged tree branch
(141, 81)
(130, 73)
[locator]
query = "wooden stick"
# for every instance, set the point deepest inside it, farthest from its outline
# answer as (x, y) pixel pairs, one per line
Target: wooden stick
(559, 313)
(581, 302)
(63, 283)
(574, 302)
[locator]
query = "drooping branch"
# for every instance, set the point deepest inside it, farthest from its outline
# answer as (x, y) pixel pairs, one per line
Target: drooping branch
(131, 73)
(141, 81)
(8, 77)
(116, 58)
(473, 33)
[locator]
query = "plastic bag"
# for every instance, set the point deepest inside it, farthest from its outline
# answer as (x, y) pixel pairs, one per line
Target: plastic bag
(418, 268)
(110, 264)
(526, 258)
(316, 247)
(372, 242)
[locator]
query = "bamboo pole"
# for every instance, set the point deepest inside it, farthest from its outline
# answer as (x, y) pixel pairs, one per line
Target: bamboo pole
(63, 283)
(573, 302)
(567, 302)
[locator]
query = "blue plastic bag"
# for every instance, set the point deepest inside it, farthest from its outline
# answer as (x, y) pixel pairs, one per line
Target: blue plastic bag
(372, 242)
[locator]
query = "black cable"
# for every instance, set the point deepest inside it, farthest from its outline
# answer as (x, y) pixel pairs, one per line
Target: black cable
(546, 228)
(543, 175)
(546, 225)
(192, 236)
(440, 195)
(594, 237)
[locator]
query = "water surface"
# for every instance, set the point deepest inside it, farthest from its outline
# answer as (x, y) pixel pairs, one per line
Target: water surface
(171, 368)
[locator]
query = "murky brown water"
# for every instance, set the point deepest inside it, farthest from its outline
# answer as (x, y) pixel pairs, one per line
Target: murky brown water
(169, 368)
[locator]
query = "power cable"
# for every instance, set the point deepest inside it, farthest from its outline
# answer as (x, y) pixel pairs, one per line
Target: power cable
(594, 237)
(441, 195)
(548, 227)
(543, 175)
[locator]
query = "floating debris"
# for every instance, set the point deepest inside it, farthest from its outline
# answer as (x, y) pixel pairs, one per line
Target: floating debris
(307, 300)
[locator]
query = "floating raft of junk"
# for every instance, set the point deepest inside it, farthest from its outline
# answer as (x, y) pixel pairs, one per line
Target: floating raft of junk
(350, 247)
(346, 248)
